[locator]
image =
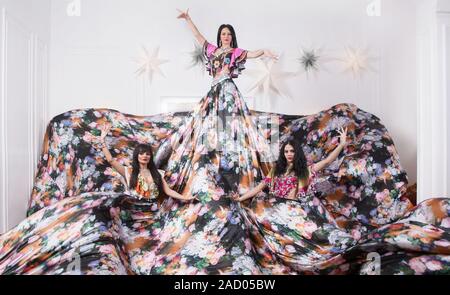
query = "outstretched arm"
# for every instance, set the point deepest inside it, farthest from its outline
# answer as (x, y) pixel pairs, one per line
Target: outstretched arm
(261, 53)
(251, 193)
(116, 165)
(198, 36)
(171, 193)
(334, 154)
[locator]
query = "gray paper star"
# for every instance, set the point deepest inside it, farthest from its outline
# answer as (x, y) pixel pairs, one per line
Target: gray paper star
(197, 58)
(312, 61)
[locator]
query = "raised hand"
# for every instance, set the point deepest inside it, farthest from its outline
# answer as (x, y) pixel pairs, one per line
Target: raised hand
(270, 54)
(105, 129)
(342, 136)
(189, 198)
(236, 197)
(184, 14)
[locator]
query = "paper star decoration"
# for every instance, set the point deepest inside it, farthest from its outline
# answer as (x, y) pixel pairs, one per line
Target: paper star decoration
(357, 61)
(309, 60)
(197, 58)
(312, 61)
(270, 78)
(149, 64)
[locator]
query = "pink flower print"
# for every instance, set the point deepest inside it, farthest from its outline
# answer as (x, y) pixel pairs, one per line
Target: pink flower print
(106, 249)
(417, 265)
(356, 234)
(434, 265)
(442, 243)
(381, 196)
(248, 245)
(217, 255)
(88, 137)
(309, 228)
(445, 222)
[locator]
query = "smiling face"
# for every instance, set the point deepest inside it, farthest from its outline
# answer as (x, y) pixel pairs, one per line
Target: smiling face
(289, 153)
(226, 37)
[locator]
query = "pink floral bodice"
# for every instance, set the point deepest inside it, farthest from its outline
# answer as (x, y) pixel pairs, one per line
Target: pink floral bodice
(224, 64)
(281, 186)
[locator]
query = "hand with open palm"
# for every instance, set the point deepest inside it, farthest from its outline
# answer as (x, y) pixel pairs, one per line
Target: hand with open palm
(105, 130)
(342, 136)
(184, 14)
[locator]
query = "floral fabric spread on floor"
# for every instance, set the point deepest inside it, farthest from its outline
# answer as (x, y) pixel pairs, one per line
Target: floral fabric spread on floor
(81, 221)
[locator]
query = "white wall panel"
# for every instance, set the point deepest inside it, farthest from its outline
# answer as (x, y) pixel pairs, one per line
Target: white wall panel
(433, 28)
(18, 117)
(24, 80)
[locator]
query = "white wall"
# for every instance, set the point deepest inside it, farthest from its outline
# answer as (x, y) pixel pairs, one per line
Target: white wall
(433, 96)
(25, 38)
(398, 84)
(442, 188)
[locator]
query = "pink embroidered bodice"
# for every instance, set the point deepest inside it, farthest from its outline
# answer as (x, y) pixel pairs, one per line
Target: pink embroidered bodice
(281, 186)
(223, 64)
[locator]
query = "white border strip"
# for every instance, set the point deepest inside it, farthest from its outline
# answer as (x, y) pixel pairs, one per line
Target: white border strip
(3, 126)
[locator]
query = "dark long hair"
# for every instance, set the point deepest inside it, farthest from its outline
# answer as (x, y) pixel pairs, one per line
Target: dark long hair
(141, 149)
(300, 167)
(234, 43)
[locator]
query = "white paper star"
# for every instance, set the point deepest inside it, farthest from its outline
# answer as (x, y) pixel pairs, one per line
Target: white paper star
(149, 64)
(357, 61)
(269, 78)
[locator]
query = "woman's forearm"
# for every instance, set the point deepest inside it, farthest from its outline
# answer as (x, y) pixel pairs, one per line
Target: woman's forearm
(334, 154)
(328, 160)
(195, 31)
(106, 152)
(173, 194)
(255, 53)
(170, 192)
(116, 165)
(251, 193)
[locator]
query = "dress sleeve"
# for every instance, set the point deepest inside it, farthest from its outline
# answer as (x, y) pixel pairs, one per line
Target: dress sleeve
(208, 50)
(238, 59)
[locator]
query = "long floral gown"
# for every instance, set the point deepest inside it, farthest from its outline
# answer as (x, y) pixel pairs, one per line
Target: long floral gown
(217, 150)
